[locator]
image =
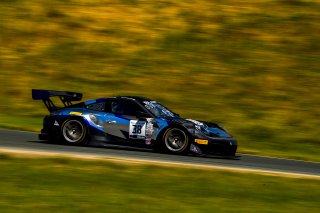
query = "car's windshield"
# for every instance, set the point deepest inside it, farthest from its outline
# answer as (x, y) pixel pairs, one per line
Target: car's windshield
(159, 110)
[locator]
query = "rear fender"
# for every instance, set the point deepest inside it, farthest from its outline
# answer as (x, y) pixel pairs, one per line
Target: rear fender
(52, 125)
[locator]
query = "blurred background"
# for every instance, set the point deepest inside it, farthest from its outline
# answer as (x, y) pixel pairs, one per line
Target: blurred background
(252, 66)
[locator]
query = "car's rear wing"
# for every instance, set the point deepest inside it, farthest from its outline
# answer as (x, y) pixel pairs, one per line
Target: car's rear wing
(65, 97)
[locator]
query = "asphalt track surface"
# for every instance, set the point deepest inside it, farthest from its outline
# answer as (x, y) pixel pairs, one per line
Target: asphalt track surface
(28, 142)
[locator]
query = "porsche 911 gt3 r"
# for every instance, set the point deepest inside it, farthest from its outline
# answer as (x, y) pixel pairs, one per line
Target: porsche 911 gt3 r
(129, 121)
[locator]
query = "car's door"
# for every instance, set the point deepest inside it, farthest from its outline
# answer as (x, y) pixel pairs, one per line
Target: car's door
(122, 124)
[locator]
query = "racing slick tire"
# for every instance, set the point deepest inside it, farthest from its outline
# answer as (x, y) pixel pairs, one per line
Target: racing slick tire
(74, 132)
(176, 141)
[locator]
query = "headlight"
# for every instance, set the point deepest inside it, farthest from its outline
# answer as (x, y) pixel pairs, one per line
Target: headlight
(200, 126)
(203, 128)
(222, 127)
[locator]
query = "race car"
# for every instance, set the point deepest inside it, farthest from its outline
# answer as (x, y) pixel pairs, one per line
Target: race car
(129, 121)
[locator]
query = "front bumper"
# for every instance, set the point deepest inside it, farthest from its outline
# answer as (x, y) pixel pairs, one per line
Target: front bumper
(217, 146)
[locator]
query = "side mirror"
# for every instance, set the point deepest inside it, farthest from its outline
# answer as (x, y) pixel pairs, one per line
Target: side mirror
(142, 115)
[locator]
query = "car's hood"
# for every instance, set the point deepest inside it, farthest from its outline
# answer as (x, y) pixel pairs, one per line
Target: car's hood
(208, 128)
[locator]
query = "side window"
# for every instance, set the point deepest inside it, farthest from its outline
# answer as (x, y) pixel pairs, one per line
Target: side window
(97, 106)
(125, 107)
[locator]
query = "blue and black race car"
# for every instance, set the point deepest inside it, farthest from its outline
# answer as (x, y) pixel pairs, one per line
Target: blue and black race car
(129, 121)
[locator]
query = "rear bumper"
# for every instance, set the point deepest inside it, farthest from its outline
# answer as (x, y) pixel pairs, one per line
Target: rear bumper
(46, 135)
(43, 137)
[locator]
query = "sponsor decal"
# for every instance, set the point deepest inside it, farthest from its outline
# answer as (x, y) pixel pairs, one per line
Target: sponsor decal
(157, 108)
(149, 104)
(137, 129)
(75, 113)
(149, 130)
(56, 123)
(201, 141)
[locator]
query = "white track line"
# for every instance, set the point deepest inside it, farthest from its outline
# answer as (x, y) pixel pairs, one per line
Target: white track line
(279, 158)
(40, 153)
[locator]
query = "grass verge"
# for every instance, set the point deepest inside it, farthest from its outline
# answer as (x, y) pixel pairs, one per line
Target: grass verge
(69, 185)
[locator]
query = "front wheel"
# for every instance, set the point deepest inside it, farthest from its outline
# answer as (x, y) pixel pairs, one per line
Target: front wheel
(176, 141)
(74, 132)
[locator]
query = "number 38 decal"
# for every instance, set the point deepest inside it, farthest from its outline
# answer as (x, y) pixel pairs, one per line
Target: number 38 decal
(137, 129)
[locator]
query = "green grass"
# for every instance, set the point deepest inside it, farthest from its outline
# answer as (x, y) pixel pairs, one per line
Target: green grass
(252, 66)
(70, 185)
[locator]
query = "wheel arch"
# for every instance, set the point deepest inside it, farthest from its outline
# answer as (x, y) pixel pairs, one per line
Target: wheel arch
(163, 131)
(64, 118)
(84, 121)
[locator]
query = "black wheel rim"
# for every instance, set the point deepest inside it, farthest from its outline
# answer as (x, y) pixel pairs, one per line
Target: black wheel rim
(73, 131)
(176, 140)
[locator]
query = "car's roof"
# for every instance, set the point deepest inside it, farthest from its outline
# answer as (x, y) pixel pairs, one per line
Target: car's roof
(137, 98)
(99, 100)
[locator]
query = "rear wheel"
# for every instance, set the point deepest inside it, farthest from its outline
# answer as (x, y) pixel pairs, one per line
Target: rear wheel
(176, 141)
(74, 132)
